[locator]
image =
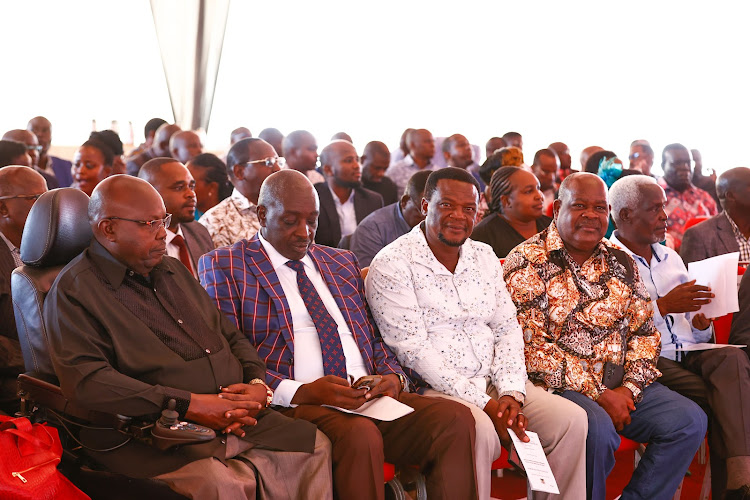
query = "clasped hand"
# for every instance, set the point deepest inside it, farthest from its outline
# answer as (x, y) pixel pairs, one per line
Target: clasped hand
(230, 410)
(335, 391)
(506, 413)
(618, 403)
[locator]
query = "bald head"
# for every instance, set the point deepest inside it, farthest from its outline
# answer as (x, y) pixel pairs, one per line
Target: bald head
(17, 180)
(274, 137)
(586, 154)
(42, 129)
(421, 145)
(27, 138)
(731, 186)
(580, 182)
(25, 184)
(300, 150)
(238, 134)
(163, 134)
(342, 136)
(151, 169)
(375, 161)
(493, 145)
(185, 145)
(116, 205)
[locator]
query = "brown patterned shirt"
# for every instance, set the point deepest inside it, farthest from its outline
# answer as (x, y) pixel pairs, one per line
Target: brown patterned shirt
(576, 318)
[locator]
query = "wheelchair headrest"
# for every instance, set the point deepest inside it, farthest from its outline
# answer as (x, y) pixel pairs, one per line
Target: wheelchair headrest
(57, 228)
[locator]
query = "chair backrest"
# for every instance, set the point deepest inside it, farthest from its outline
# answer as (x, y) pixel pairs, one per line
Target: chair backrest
(57, 229)
(695, 220)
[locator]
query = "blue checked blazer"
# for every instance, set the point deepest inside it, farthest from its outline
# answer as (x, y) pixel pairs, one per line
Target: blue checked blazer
(242, 281)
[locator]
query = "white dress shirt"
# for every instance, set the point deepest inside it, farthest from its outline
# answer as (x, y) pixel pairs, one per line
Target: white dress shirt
(308, 356)
(665, 271)
(347, 216)
(457, 330)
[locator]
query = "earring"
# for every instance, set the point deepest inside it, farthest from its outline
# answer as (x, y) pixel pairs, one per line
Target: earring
(210, 193)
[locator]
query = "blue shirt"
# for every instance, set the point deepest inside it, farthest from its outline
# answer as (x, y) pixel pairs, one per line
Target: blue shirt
(376, 231)
(62, 170)
(665, 271)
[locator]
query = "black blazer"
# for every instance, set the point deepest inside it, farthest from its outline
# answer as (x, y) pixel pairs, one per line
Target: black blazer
(329, 226)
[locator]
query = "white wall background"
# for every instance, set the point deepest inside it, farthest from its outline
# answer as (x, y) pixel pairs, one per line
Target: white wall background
(581, 72)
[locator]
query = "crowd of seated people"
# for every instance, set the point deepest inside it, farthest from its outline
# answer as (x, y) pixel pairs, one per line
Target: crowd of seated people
(254, 290)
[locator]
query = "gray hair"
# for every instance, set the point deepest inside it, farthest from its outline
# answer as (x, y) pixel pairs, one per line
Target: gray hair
(626, 193)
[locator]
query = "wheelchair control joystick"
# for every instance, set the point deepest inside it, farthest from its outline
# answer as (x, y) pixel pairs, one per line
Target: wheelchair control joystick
(169, 431)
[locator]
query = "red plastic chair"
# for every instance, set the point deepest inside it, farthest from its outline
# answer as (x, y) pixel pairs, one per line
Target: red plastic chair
(695, 220)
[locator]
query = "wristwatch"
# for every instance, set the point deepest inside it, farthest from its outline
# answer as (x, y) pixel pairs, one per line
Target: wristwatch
(269, 391)
(404, 383)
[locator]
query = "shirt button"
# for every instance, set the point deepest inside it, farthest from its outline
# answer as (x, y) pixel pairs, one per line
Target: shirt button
(130, 273)
(179, 321)
(208, 351)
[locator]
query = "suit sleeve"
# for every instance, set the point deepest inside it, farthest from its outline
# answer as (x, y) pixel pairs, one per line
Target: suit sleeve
(227, 297)
(740, 332)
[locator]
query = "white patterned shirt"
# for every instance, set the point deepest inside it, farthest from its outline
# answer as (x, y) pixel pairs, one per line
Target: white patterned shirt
(232, 220)
(457, 330)
(401, 171)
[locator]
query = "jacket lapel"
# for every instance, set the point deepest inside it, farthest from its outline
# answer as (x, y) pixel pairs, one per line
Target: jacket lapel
(725, 235)
(260, 265)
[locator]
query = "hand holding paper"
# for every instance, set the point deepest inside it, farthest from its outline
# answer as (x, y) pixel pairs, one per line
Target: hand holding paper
(720, 275)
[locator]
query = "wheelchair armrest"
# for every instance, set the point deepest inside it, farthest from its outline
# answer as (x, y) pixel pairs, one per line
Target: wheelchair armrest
(45, 392)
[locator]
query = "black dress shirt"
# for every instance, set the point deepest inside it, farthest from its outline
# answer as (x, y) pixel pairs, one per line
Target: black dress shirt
(497, 233)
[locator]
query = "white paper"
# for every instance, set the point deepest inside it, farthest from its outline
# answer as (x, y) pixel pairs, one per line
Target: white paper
(720, 274)
(383, 408)
(706, 346)
(535, 463)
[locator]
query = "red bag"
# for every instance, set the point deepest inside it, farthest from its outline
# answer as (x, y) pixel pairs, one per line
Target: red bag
(29, 455)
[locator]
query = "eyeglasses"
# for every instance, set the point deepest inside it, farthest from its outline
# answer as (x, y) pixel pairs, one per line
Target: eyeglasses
(34, 148)
(270, 161)
(22, 196)
(153, 225)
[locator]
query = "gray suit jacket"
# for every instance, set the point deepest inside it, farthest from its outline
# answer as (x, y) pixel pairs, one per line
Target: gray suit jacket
(709, 238)
(198, 241)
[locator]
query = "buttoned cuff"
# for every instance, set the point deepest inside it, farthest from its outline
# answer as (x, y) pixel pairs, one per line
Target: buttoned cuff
(284, 393)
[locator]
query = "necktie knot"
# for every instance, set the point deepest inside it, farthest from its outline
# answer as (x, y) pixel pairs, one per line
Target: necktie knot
(297, 265)
(178, 240)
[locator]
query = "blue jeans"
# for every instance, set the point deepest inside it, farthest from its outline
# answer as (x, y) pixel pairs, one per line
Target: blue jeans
(672, 425)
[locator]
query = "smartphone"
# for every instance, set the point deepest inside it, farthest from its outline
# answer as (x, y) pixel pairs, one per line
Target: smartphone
(367, 382)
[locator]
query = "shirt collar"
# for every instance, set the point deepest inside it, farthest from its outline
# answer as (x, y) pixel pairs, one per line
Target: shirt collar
(240, 201)
(659, 251)
(171, 235)
(113, 269)
(735, 228)
(278, 260)
(425, 256)
(336, 199)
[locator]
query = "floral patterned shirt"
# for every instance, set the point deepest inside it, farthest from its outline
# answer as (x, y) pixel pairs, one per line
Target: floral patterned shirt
(681, 207)
(232, 220)
(457, 330)
(576, 318)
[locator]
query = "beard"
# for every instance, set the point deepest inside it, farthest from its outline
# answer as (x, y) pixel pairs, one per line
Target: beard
(450, 243)
(347, 184)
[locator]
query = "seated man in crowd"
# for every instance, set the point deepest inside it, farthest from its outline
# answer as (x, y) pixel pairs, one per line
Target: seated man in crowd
(589, 335)
(159, 148)
(301, 154)
(19, 189)
(684, 201)
(343, 200)
(441, 305)
(545, 167)
(728, 231)
(457, 152)
(149, 132)
(641, 157)
(563, 154)
(492, 145)
(388, 223)
(185, 145)
(274, 137)
(32, 149)
(375, 160)
(186, 239)
(130, 330)
(303, 306)
(716, 379)
(60, 168)
(421, 146)
(249, 162)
